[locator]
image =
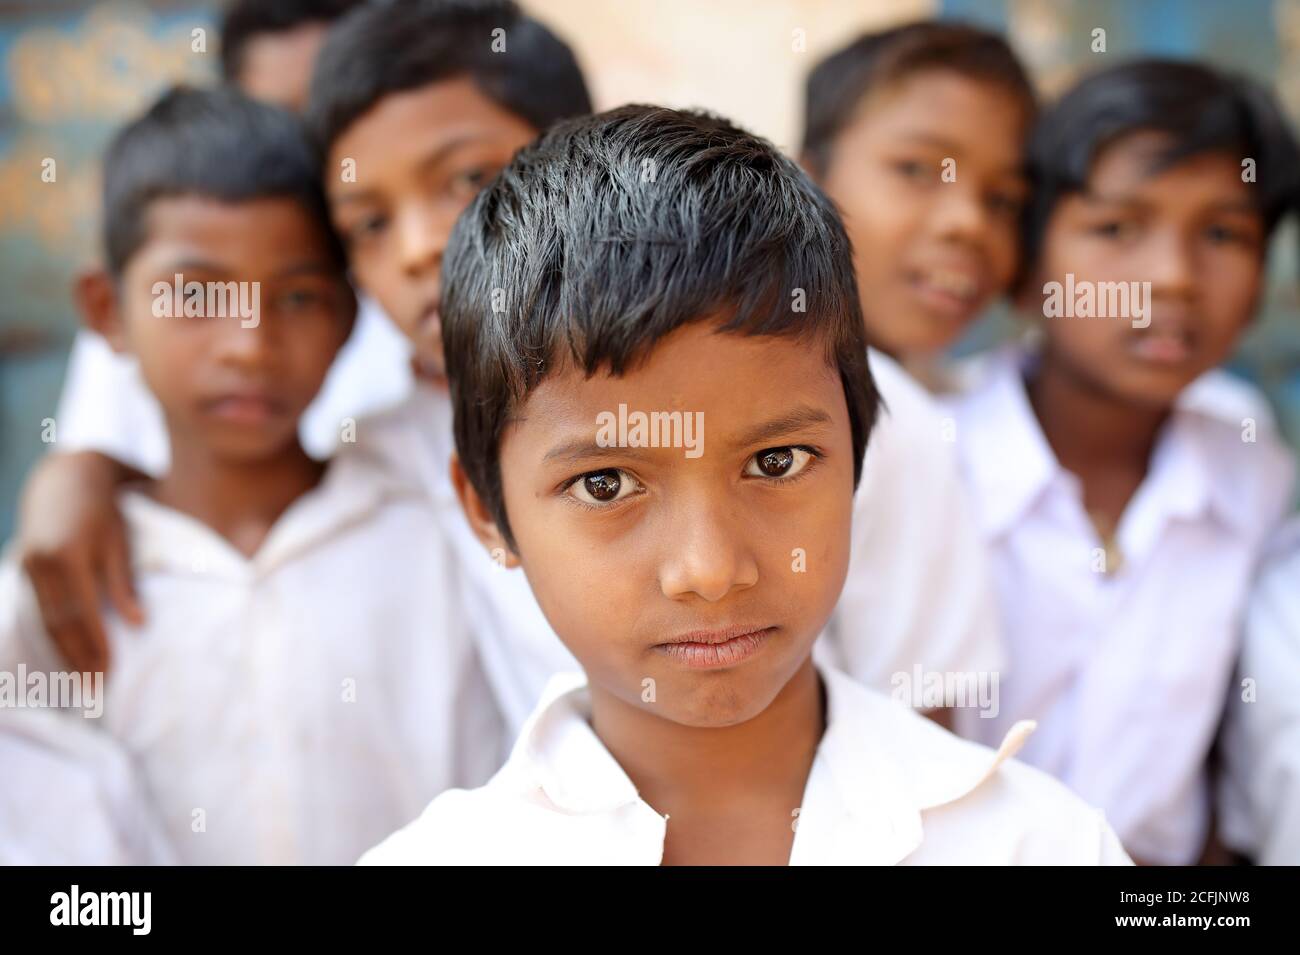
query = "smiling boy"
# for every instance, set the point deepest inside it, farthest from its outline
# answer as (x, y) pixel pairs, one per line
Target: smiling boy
(702, 732)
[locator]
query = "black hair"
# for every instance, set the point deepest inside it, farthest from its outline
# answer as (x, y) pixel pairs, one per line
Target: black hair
(1200, 109)
(837, 84)
(245, 20)
(611, 231)
(379, 50)
(207, 142)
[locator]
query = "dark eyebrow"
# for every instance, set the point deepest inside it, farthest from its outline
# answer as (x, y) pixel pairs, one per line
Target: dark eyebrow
(1241, 206)
(782, 426)
(581, 449)
(952, 148)
(437, 155)
(1092, 197)
(195, 265)
(302, 267)
(930, 139)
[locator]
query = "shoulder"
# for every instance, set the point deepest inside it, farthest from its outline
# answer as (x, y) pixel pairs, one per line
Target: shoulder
(1253, 469)
(908, 413)
(910, 452)
(1272, 636)
(980, 805)
(413, 440)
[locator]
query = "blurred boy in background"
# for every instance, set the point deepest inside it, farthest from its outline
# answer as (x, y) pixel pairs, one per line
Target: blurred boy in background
(304, 682)
(1124, 486)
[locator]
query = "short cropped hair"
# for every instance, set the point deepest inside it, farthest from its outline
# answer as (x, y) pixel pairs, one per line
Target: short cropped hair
(216, 143)
(246, 20)
(838, 84)
(610, 232)
(1201, 110)
(380, 50)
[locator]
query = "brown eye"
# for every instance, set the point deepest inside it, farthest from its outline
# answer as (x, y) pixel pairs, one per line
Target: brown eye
(778, 462)
(603, 486)
(775, 463)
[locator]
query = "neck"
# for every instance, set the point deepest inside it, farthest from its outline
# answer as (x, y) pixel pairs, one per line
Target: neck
(426, 374)
(674, 765)
(240, 500)
(1087, 427)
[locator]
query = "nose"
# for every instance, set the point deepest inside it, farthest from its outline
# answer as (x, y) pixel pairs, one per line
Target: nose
(423, 229)
(959, 211)
(708, 554)
(247, 347)
(1168, 263)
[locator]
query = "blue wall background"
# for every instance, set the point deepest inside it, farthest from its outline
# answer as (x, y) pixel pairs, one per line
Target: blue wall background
(70, 73)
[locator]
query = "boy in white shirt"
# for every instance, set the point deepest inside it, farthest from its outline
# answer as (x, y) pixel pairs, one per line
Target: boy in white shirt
(267, 51)
(669, 451)
(411, 98)
(917, 134)
(1124, 486)
(304, 682)
(1259, 785)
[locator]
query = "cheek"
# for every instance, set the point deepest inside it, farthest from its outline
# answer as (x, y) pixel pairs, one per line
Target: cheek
(1230, 299)
(377, 273)
(312, 351)
(1089, 342)
(171, 355)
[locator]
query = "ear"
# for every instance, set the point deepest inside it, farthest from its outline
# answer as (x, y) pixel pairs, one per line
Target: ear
(96, 298)
(480, 518)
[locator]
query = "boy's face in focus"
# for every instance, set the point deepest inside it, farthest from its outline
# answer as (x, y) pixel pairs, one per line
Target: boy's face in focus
(930, 254)
(710, 575)
(420, 156)
(1191, 231)
(239, 390)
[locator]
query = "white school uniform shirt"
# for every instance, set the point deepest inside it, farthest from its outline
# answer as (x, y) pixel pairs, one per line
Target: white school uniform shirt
(72, 796)
(1127, 674)
(887, 786)
(918, 589)
(106, 406)
(1259, 785)
(296, 706)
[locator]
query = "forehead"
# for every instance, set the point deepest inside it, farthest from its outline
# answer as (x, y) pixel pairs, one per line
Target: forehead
(264, 230)
(974, 115)
(406, 127)
(734, 379)
(1129, 164)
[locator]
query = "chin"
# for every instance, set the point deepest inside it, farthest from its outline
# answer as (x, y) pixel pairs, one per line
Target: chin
(721, 702)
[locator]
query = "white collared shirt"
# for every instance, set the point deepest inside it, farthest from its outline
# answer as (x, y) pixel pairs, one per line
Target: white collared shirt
(1259, 786)
(72, 796)
(887, 786)
(918, 589)
(296, 706)
(1125, 673)
(106, 406)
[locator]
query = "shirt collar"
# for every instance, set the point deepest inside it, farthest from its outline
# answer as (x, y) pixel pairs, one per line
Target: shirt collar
(164, 539)
(1012, 465)
(878, 767)
(1009, 460)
